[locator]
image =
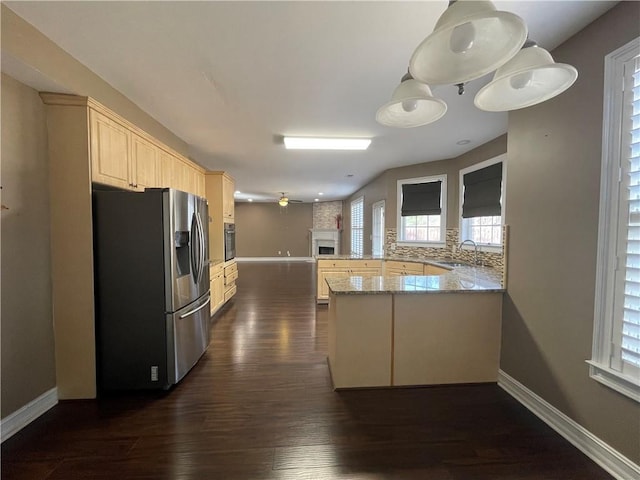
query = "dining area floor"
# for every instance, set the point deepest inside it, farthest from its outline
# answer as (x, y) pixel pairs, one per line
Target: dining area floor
(260, 405)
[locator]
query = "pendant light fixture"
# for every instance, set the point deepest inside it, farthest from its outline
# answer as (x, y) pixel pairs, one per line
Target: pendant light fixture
(283, 201)
(529, 78)
(411, 105)
(470, 39)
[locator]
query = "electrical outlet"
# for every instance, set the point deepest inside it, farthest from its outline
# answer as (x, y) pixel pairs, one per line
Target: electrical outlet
(279, 252)
(154, 373)
(288, 254)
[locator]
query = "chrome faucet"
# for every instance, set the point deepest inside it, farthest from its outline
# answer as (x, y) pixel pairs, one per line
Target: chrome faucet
(475, 247)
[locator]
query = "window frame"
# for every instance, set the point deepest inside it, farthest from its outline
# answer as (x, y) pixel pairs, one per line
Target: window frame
(377, 206)
(462, 227)
(603, 349)
(359, 200)
(443, 211)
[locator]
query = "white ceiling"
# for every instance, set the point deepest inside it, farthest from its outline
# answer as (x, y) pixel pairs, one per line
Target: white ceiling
(231, 78)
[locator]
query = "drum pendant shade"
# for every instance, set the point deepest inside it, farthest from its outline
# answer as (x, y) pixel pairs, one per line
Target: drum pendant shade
(531, 77)
(411, 105)
(470, 39)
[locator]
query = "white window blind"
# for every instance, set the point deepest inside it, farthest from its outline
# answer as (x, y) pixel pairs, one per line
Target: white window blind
(627, 333)
(357, 226)
(615, 359)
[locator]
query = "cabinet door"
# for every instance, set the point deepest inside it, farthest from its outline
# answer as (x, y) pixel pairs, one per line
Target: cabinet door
(110, 152)
(228, 206)
(166, 170)
(181, 172)
(218, 290)
(323, 288)
(201, 189)
(144, 163)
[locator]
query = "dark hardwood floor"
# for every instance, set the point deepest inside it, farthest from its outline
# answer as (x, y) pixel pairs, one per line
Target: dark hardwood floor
(259, 405)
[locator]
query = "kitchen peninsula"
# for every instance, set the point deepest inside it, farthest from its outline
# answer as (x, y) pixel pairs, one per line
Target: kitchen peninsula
(415, 329)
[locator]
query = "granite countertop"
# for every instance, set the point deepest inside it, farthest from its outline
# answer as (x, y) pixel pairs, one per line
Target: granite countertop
(458, 280)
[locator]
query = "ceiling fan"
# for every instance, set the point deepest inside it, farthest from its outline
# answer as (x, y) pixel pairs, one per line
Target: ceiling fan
(283, 201)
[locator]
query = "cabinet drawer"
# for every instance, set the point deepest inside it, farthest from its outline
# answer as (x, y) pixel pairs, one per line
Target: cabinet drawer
(230, 269)
(215, 270)
(229, 293)
(404, 268)
(334, 263)
(231, 278)
(356, 264)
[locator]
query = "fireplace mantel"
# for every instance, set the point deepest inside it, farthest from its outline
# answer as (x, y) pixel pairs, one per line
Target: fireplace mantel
(324, 237)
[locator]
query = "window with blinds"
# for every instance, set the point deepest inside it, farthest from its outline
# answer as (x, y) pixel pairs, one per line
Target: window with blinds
(482, 202)
(627, 332)
(357, 226)
(422, 210)
(615, 360)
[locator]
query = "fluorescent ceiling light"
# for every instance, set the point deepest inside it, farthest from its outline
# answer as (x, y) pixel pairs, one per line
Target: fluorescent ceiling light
(314, 143)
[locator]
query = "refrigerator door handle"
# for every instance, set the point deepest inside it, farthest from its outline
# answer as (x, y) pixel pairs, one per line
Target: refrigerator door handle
(202, 246)
(195, 243)
(191, 312)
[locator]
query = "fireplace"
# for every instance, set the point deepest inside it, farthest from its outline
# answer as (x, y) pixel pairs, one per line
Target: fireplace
(324, 241)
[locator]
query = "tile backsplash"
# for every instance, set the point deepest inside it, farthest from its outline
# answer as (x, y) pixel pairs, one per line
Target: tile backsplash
(449, 251)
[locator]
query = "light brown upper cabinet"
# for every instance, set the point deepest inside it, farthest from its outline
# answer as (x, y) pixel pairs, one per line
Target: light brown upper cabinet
(144, 163)
(228, 206)
(166, 169)
(110, 152)
(219, 192)
(123, 156)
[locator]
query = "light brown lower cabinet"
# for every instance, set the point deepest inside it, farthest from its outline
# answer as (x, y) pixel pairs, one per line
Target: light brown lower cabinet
(383, 340)
(230, 277)
(216, 275)
(341, 269)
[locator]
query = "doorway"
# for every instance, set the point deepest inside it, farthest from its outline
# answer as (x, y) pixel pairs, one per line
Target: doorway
(377, 234)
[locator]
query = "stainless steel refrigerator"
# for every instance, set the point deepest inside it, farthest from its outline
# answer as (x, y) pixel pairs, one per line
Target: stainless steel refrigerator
(151, 286)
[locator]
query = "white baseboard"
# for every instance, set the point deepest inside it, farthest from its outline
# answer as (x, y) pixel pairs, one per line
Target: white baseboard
(600, 452)
(16, 421)
(274, 259)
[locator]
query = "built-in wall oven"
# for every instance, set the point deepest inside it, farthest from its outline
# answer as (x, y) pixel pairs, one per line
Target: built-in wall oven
(229, 241)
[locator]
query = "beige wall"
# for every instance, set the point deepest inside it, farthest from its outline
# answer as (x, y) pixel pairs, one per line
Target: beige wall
(264, 229)
(384, 187)
(552, 197)
(29, 46)
(26, 328)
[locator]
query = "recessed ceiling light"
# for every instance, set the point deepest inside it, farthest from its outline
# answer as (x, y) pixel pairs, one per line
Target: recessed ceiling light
(316, 199)
(349, 175)
(249, 199)
(463, 142)
(237, 192)
(316, 143)
(320, 193)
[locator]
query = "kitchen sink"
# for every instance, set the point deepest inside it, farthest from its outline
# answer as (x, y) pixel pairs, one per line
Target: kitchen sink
(453, 263)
